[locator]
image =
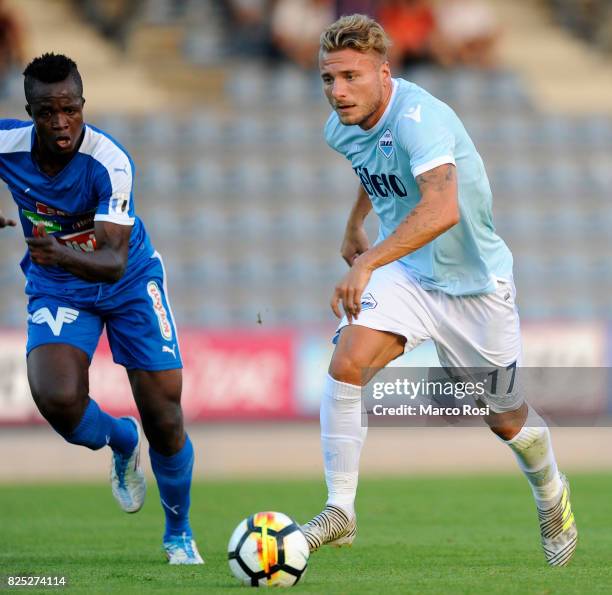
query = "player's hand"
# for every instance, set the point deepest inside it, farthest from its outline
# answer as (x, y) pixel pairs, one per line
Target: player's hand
(350, 289)
(45, 250)
(4, 222)
(354, 244)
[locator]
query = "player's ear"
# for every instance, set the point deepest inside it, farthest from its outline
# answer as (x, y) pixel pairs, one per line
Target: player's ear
(28, 109)
(386, 68)
(82, 102)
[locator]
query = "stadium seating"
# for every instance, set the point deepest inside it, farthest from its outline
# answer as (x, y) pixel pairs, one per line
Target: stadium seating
(248, 205)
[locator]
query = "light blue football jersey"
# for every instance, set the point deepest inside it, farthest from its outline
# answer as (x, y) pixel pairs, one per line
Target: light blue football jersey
(416, 133)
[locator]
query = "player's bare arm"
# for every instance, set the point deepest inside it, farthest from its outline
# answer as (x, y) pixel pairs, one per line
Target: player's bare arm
(355, 240)
(106, 264)
(6, 222)
(437, 212)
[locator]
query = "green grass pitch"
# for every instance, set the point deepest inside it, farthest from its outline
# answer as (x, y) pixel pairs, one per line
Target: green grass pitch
(469, 535)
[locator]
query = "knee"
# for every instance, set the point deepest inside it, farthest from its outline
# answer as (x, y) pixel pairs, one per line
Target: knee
(345, 368)
(169, 420)
(163, 425)
(506, 431)
(507, 425)
(61, 405)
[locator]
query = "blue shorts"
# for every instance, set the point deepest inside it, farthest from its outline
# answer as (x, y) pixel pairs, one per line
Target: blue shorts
(135, 310)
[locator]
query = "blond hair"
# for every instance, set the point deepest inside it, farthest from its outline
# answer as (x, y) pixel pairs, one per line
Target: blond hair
(356, 32)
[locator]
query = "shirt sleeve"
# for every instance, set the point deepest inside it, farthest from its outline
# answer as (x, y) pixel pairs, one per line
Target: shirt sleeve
(114, 183)
(427, 140)
(10, 124)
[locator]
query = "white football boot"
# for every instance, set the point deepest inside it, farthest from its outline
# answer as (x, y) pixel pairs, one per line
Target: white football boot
(127, 478)
(182, 549)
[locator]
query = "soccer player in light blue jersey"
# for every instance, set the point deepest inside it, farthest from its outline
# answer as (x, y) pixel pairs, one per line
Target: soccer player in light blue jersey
(90, 264)
(437, 271)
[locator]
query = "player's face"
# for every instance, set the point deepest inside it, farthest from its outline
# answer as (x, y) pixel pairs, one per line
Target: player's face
(357, 85)
(57, 111)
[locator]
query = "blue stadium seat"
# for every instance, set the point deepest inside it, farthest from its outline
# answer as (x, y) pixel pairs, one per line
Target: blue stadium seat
(266, 201)
(205, 176)
(163, 219)
(159, 176)
(202, 128)
(246, 84)
(599, 175)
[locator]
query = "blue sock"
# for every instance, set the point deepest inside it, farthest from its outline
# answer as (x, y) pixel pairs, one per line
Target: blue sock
(97, 429)
(173, 475)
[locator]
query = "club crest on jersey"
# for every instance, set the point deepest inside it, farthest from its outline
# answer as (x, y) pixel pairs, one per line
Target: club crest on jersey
(385, 143)
(165, 328)
(368, 302)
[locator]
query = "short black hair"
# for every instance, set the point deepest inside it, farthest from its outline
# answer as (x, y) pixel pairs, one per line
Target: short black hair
(50, 68)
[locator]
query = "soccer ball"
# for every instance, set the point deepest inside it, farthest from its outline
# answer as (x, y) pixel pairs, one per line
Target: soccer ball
(268, 549)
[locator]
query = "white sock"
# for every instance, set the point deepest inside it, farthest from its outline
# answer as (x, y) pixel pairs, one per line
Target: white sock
(532, 447)
(342, 437)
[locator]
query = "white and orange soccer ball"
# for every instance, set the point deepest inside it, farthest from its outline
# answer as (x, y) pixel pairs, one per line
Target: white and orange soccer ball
(268, 549)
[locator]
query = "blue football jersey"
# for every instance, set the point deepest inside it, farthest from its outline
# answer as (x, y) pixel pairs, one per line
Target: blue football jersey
(417, 133)
(95, 185)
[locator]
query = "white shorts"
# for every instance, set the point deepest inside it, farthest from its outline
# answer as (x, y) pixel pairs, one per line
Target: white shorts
(479, 331)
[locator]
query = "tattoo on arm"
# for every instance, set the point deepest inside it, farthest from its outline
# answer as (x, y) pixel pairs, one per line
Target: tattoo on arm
(437, 179)
(423, 218)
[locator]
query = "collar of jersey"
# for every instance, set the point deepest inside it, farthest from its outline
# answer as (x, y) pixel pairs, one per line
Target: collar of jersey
(376, 128)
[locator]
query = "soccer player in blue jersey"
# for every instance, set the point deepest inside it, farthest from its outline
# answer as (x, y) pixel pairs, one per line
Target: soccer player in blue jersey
(438, 270)
(90, 264)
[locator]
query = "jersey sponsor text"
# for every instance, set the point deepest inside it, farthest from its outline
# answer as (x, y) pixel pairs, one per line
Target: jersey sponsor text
(165, 328)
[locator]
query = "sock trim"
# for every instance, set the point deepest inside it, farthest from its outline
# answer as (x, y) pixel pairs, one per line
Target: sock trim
(337, 389)
(528, 429)
(175, 461)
